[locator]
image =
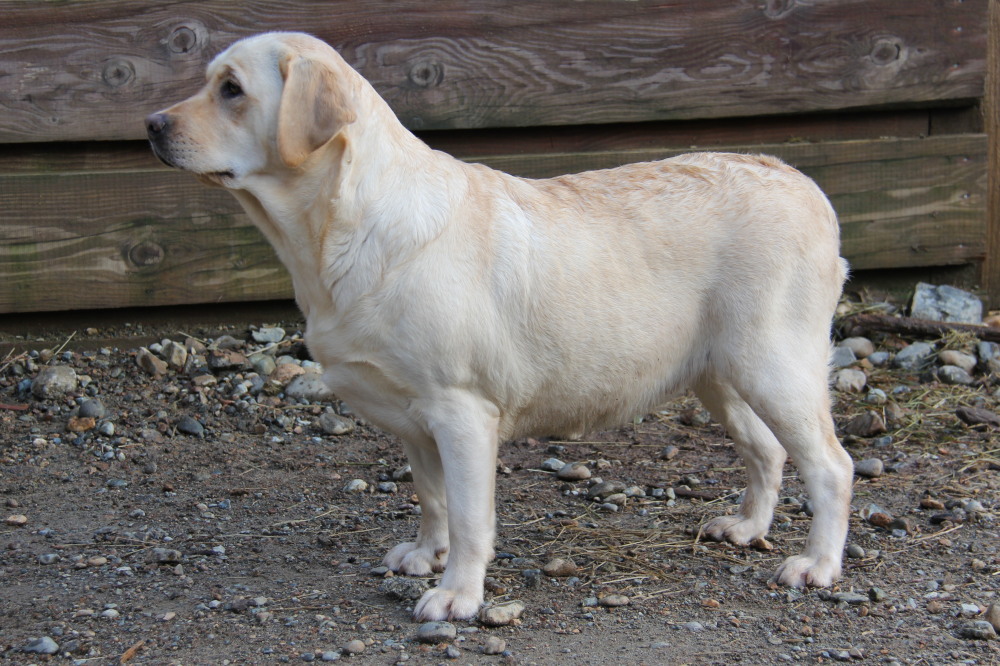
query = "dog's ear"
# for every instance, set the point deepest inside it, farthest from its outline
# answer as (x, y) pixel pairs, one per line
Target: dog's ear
(314, 108)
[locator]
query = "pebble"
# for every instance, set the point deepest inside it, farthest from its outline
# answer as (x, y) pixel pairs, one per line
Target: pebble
(92, 409)
(669, 452)
(436, 632)
(149, 363)
(876, 396)
(387, 487)
(54, 381)
(165, 555)
(977, 416)
(879, 358)
(850, 380)
(576, 471)
(268, 334)
(868, 424)
(862, 347)
(403, 474)
(190, 426)
(952, 374)
(989, 357)
(286, 372)
(693, 626)
(332, 423)
(605, 489)
(913, 356)
(494, 645)
(499, 615)
(992, 615)
(978, 630)
(175, 354)
(48, 558)
(16, 519)
(962, 360)
(263, 364)
(855, 552)
(43, 645)
(355, 646)
(107, 428)
(552, 465)
(870, 468)
(309, 386)
(560, 567)
(614, 600)
(403, 588)
(841, 357)
(329, 655)
(356, 486)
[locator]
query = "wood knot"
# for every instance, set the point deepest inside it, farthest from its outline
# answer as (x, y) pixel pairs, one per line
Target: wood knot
(187, 38)
(118, 72)
(775, 9)
(885, 52)
(425, 73)
(145, 253)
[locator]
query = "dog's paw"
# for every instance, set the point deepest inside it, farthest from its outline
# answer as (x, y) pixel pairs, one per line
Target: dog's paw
(735, 529)
(807, 571)
(412, 559)
(441, 603)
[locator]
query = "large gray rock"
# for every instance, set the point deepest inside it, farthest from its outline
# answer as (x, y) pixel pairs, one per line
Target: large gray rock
(54, 381)
(308, 386)
(945, 303)
(913, 356)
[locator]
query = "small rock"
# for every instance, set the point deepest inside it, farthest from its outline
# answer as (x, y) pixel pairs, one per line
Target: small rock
(80, 424)
(165, 555)
(693, 626)
(334, 424)
(107, 428)
(93, 409)
(355, 647)
(978, 630)
(268, 335)
(174, 354)
(605, 489)
(862, 347)
(190, 426)
(669, 452)
(48, 558)
(452, 652)
(868, 424)
(913, 356)
(903, 524)
(876, 594)
(149, 363)
(403, 588)
(387, 487)
(494, 645)
(263, 364)
(974, 416)
(870, 468)
(576, 471)
(54, 381)
(992, 615)
(876, 515)
(614, 600)
(552, 465)
(952, 374)
(945, 303)
(851, 598)
(560, 567)
(308, 386)
(879, 359)
(16, 519)
(876, 396)
(43, 645)
(850, 380)
(285, 372)
(403, 474)
(220, 360)
(962, 360)
(989, 357)
(931, 503)
(356, 486)
(499, 615)
(841, 357)
(855, 552)
(436, 632)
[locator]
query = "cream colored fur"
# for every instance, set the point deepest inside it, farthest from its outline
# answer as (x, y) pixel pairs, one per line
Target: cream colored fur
(458, 307)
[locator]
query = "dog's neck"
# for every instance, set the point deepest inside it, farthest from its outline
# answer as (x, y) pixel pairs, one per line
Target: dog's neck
(373, 193)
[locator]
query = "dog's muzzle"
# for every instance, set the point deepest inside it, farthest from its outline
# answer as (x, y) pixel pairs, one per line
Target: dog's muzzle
(158, 131)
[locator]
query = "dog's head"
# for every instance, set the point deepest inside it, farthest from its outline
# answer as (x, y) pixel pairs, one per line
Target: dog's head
(269, 102)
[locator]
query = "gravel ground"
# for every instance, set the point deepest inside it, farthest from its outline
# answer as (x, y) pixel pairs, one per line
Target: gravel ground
(203, 501)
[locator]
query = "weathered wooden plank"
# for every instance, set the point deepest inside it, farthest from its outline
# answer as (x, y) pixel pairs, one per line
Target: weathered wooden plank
(117, 237)
(991, 104)
(92, 69)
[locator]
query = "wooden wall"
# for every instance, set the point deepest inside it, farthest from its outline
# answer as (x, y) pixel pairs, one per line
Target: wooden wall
(878, 100)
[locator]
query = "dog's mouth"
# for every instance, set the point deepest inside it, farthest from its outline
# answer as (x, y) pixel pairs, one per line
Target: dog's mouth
(216, 178)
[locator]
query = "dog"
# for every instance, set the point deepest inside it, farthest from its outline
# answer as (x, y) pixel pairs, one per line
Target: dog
(457, 306)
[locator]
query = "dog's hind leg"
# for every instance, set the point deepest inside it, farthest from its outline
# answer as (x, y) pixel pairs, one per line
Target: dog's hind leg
(793, 401)
(429, 553)
(764, 459)
(465, 429)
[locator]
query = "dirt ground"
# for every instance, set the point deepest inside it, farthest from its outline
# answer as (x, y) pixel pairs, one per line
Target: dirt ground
(139, 543)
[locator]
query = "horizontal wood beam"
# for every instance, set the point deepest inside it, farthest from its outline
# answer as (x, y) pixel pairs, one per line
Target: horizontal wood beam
(92, 69)
(118, 230)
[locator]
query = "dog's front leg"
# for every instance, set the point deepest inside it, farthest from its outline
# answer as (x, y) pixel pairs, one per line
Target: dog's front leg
(429, 553)
(465, 430)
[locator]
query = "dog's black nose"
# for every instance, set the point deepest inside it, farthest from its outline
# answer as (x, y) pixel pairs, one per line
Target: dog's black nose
(155, 124)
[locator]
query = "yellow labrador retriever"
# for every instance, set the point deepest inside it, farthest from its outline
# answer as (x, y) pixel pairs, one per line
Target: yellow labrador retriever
(457, 306)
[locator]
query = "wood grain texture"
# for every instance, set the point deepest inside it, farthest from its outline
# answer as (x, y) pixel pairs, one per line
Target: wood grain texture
(91, 70)
(114, 231)
(991, 104)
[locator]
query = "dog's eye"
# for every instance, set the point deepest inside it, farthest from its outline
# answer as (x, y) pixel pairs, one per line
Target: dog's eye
(231, 90)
